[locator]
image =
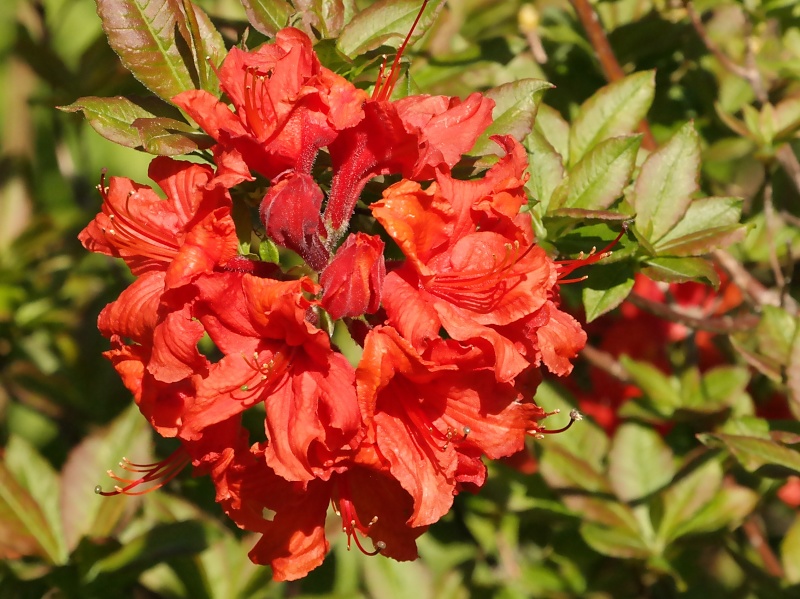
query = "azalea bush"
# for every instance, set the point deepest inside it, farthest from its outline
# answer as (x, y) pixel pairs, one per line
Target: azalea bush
(400, 298)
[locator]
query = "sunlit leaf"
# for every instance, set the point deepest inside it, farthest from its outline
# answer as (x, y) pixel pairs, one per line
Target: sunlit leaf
(665, 185)
(614, 110)
(513, 114)
(600, 176)
(268, 16)
(639, 462)
(86, 513)
(385, 23)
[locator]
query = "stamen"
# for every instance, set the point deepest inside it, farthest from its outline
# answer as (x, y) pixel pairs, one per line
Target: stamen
(264, 374)
(351, 524)
(567, 266)
(574, 416)
(480, 290)
(159, 473)
(383, 90)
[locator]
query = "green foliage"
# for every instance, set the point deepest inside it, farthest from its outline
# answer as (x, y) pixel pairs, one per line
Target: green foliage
(690, 473)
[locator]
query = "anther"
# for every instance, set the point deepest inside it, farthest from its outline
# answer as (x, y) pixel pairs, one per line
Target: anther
(574, 416)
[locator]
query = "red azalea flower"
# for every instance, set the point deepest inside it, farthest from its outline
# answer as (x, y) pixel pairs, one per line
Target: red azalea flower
(272, 354)
(286, 106)
(188, 233)
(291, 515)
(471, 265)
(433, 418)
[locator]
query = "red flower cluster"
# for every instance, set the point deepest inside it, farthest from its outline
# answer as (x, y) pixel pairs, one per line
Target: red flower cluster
(450, 337)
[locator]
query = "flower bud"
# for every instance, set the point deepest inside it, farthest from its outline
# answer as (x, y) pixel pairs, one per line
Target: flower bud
(291, 215)
(353, 280)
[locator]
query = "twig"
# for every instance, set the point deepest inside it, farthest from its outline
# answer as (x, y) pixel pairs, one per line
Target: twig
(788, 160)
(749, 73)
(759, 542)
(769, 218)
(605, 362)
(608, 61)
(721, 324)
(756, 293)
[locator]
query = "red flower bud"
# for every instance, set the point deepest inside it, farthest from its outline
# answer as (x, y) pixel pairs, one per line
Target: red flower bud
(291, 215)
(353, 280)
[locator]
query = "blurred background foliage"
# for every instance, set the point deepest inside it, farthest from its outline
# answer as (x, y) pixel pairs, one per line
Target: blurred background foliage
(682, 484)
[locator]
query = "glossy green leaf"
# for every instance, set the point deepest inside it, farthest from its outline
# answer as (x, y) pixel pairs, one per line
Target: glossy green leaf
(709, 223)
(207, 45)
(326, 17)
(686, 497)
(639, 463)
(385, 23)
(680, 270)
(546, 171)
(616, 109)
(775, 333)
(514, 112)
(661, 391)
(606, 288)
(600, 176)
(727, 509)
(586, 491)
(153, 41)
(29, 511)
(268, 16)
(552, 126)
(614, 542)
(87, 513)
(793, 373)
(170, 137)
(113, 117)
(754, 452)
(665, 185)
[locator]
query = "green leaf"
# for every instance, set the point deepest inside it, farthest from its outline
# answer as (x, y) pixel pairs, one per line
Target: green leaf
(616, 109)
(754, 452)
(665, 185)
(639, 463)
(615, 542)
(787, 118)
(29, 510)
(793, 372)
(684, 500)
(718, 388)
(709, 223)
(268, 16)
(385, 23)
(731, 504)
(170, 137)
(606, 288)
(153, 41)
(514, 112)
(563, 470)
(113, 117)
(680, 270)
(661, 391)
(208, 47)
(552, 126)
(547, 170)
(601, 175)
(86, 513)
(790, 552)
(325, 17)
(775, 333)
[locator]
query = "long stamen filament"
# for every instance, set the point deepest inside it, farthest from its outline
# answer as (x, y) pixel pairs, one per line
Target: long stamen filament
(158, 472)
(383, 90)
